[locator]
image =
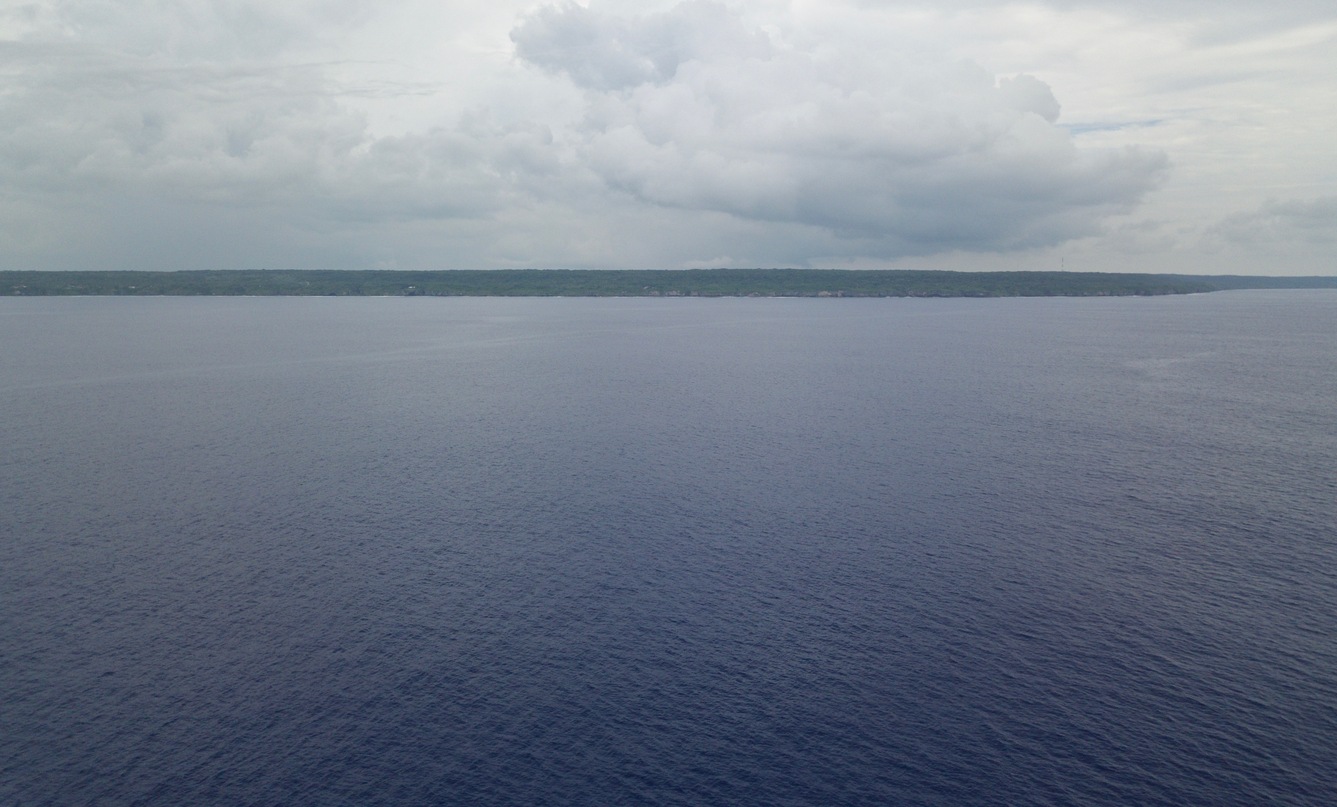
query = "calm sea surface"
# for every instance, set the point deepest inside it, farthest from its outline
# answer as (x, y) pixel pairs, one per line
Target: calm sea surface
(407, 551)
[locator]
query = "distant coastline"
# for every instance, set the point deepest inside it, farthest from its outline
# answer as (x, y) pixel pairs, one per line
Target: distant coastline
(632, 283)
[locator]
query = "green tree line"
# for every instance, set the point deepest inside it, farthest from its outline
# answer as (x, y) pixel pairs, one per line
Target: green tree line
(633, 283)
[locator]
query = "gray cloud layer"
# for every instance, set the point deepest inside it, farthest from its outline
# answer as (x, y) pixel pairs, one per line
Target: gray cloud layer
(1277, 223)
(240, 133)
(693, 109)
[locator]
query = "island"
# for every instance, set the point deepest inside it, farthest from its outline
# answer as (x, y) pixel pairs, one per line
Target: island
(633, 283)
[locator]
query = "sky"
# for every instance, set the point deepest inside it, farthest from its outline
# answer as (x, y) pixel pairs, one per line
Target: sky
(1121, 135)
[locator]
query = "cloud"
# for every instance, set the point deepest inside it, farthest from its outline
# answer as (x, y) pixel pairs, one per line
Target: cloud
(1029, 94)
(605, 52)
(654, 133)
(268, 136)
(905, 154)
(194, 30)
(1281, 224)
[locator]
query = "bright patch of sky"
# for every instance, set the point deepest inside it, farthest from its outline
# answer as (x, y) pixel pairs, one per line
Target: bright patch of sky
(1115, 136)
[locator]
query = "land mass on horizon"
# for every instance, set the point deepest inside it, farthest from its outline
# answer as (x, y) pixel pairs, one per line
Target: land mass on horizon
(632, 283)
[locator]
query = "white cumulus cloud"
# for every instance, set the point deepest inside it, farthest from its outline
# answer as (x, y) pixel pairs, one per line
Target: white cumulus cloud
(906, 154)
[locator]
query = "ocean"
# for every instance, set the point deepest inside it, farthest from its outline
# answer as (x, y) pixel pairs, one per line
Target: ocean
(394, 551)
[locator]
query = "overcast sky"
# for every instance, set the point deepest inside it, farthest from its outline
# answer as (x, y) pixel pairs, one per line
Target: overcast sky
(430, 134)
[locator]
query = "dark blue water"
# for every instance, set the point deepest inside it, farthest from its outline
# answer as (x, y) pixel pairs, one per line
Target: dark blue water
(404, 551)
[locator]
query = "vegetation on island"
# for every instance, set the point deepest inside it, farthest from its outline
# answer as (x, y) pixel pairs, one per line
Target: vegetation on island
(633, 283)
